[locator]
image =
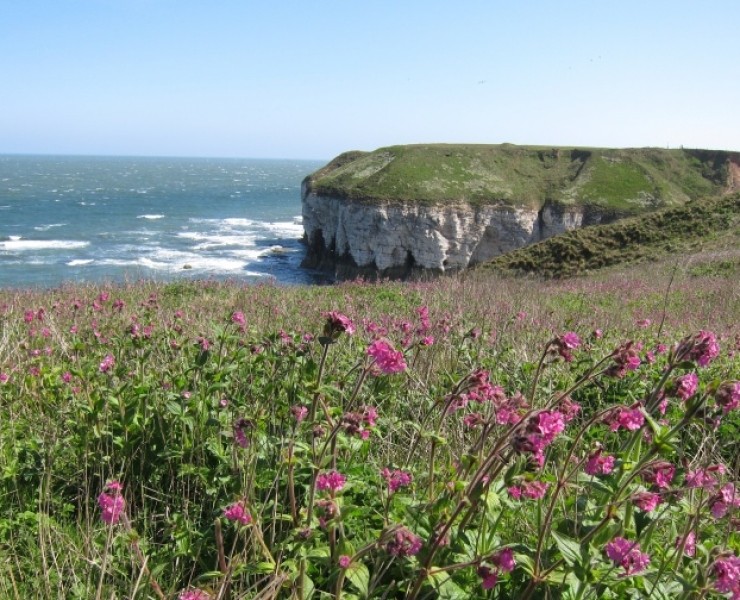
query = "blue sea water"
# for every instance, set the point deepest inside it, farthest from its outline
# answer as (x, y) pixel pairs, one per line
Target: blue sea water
(106, 219)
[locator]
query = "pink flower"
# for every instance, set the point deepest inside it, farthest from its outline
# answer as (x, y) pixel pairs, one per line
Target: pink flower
(659, 473)
(107, 363)
(565, 343)
(473, 420)
(534, 490)
(337, 323)
(299, 412)
(547, 424)
(599, 464)
(701, 348)
(4, 378)
(504, 560)
(111, 502)
(685, 386)
(703, 478)
(238, 318)
(627, 555)
(396, 479)
(630, 419)
(515, 491)
(387, 358)
(404, 543)
(331, 480)
(370, 415)
(569, 409)
(646, 501)
(726, 572)
(725, 499)
(345, 561)
(241, 426)
(689, 543)
(489, 577)
(643, 323)
(194, 594)
(728, 396)
(625, 358)
(238, 513)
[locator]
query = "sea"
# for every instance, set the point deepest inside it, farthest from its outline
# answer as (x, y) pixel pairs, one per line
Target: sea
(113, 219)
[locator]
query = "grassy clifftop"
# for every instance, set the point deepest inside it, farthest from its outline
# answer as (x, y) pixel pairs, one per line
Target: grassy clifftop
(623, 180)
(710, 226)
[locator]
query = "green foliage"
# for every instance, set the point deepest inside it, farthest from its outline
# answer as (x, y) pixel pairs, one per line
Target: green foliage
(187, 394)
(713, 221)
(626, 181)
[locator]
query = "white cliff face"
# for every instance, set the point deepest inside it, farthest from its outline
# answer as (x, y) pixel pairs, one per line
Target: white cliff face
(439, 238)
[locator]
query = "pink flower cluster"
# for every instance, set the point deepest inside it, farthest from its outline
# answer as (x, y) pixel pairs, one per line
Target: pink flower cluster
(481, 390)
(627, 555)
(241, 427)
(564, 345)
(726, 498)
(299, 412)
(396, 479)
(331, 480)
(728, 396)
(630, 418)
(659, 474)
(646, 501)
(701, 348)
(336, 324)
(502, 562)
(542, 429)
(107, 363)
(238, 513)
(356, 423)
(599, 463)
(111, 502)
(534, 490)
(388, 360)
(625, 358)
(684, 387)
(404, 543)
(726, 572)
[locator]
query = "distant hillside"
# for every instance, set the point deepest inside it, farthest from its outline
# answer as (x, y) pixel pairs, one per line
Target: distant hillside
(711, 225)
(625, 181)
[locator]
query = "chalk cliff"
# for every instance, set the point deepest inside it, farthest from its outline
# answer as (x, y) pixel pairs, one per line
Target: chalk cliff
(396, 240)
(361, 217)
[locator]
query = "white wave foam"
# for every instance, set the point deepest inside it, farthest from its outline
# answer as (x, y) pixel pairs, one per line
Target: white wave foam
(47, 227)
(236, 222)
(151, 217)
(20, 245)
(287, 229)
(209, 241)
(78, 262)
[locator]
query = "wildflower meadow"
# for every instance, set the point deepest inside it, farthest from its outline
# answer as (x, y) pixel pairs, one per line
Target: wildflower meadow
(462, 438)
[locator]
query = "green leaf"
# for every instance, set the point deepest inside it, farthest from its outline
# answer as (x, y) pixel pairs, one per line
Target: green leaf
(359, 576)
(446, 588)
(569, 548)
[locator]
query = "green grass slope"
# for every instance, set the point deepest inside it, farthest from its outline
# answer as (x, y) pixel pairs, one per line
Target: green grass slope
(711, 226)
(624, 180)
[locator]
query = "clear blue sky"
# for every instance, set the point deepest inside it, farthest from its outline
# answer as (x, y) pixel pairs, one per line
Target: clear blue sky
(311, 79)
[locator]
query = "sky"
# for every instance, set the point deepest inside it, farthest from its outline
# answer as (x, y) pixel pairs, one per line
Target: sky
(311, 79)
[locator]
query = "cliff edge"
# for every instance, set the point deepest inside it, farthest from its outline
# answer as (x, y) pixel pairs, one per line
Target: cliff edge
(404, 210)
